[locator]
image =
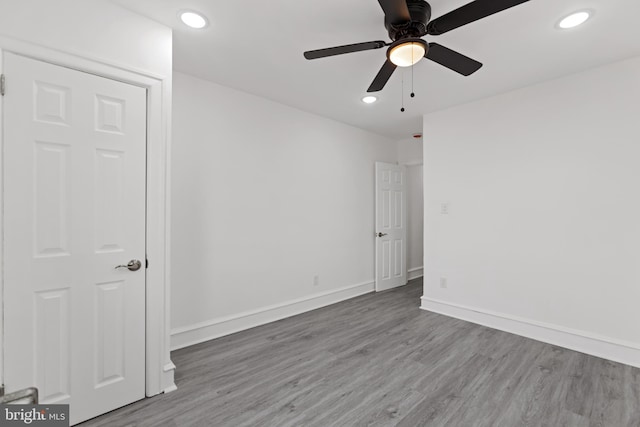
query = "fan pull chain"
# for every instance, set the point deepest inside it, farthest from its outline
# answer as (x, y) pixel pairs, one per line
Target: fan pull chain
(402, 92)
(413, 61)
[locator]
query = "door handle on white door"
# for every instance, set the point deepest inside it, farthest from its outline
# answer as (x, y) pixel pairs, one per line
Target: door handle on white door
(134, 265)
(381, 234)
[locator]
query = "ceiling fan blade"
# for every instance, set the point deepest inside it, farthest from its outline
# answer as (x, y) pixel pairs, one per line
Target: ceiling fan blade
(339, 50)
(383, 76)
(396, 11)
(452, 60)
(469, 13)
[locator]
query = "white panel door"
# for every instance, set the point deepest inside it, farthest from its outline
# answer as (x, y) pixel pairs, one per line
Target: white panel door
(391, 226)
(74, 209)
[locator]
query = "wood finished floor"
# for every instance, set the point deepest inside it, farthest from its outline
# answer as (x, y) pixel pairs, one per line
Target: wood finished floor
(378, 360)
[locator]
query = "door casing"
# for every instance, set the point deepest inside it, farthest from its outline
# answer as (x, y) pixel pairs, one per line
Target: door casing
(159, 367)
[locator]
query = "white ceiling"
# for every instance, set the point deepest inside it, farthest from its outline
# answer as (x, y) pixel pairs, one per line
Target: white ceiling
(256, 46)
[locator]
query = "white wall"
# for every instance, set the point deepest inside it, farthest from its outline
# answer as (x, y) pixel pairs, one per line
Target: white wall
(265, 197)
(95, 29)
(409, 151)
(543, 231)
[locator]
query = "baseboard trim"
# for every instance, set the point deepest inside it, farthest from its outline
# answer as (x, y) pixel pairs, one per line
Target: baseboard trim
(169, 370)
(169, 389)
(414, 273)
(216, 328)
(584, 342)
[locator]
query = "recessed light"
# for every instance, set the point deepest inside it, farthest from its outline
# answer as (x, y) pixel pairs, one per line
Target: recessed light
(575, 19)
(369, 99)
(193, 19)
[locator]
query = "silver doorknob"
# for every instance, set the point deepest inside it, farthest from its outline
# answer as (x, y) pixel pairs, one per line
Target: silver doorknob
(134, 265)
(382, 234)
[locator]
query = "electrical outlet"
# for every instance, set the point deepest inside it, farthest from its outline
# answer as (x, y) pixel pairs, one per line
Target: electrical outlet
(443, 282)
(316, 280)
(444, 208)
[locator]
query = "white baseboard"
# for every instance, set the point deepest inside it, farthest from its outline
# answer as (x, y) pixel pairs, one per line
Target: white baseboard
(169, 389)
(584, 342)
(169, 370)
(215, 328)
(414, 273)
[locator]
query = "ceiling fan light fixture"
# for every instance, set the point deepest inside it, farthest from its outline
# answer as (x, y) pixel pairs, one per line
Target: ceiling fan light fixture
(575, 19)
(193, 19)
(407, 53)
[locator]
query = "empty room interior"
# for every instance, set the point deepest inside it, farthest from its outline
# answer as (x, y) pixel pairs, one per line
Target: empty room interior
(320, 213)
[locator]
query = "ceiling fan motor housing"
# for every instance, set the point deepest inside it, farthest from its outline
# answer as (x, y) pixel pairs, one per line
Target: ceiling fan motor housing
(420, 12)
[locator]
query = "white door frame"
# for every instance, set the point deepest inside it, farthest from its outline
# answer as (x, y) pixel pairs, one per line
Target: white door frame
(159, 368)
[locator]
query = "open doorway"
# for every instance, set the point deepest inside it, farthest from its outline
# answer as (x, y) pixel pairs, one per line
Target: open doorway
(410, 156)
(399, 217)
(415, 221)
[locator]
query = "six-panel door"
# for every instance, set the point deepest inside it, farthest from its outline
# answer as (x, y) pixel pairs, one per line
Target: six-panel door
(74, 181)
(391, 226)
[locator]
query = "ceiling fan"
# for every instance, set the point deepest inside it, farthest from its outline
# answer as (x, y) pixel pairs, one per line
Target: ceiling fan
(407, 21)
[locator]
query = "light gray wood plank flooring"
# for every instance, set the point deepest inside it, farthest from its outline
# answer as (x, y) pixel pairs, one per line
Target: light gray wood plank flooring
(378, 360)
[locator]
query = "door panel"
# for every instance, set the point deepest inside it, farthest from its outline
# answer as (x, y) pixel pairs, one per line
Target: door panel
(74, 177)
(51, 200)
(53, 362)
(391, 214)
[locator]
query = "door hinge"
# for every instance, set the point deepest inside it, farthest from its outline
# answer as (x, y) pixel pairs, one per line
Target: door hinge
(2, 84)
(146, 263)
